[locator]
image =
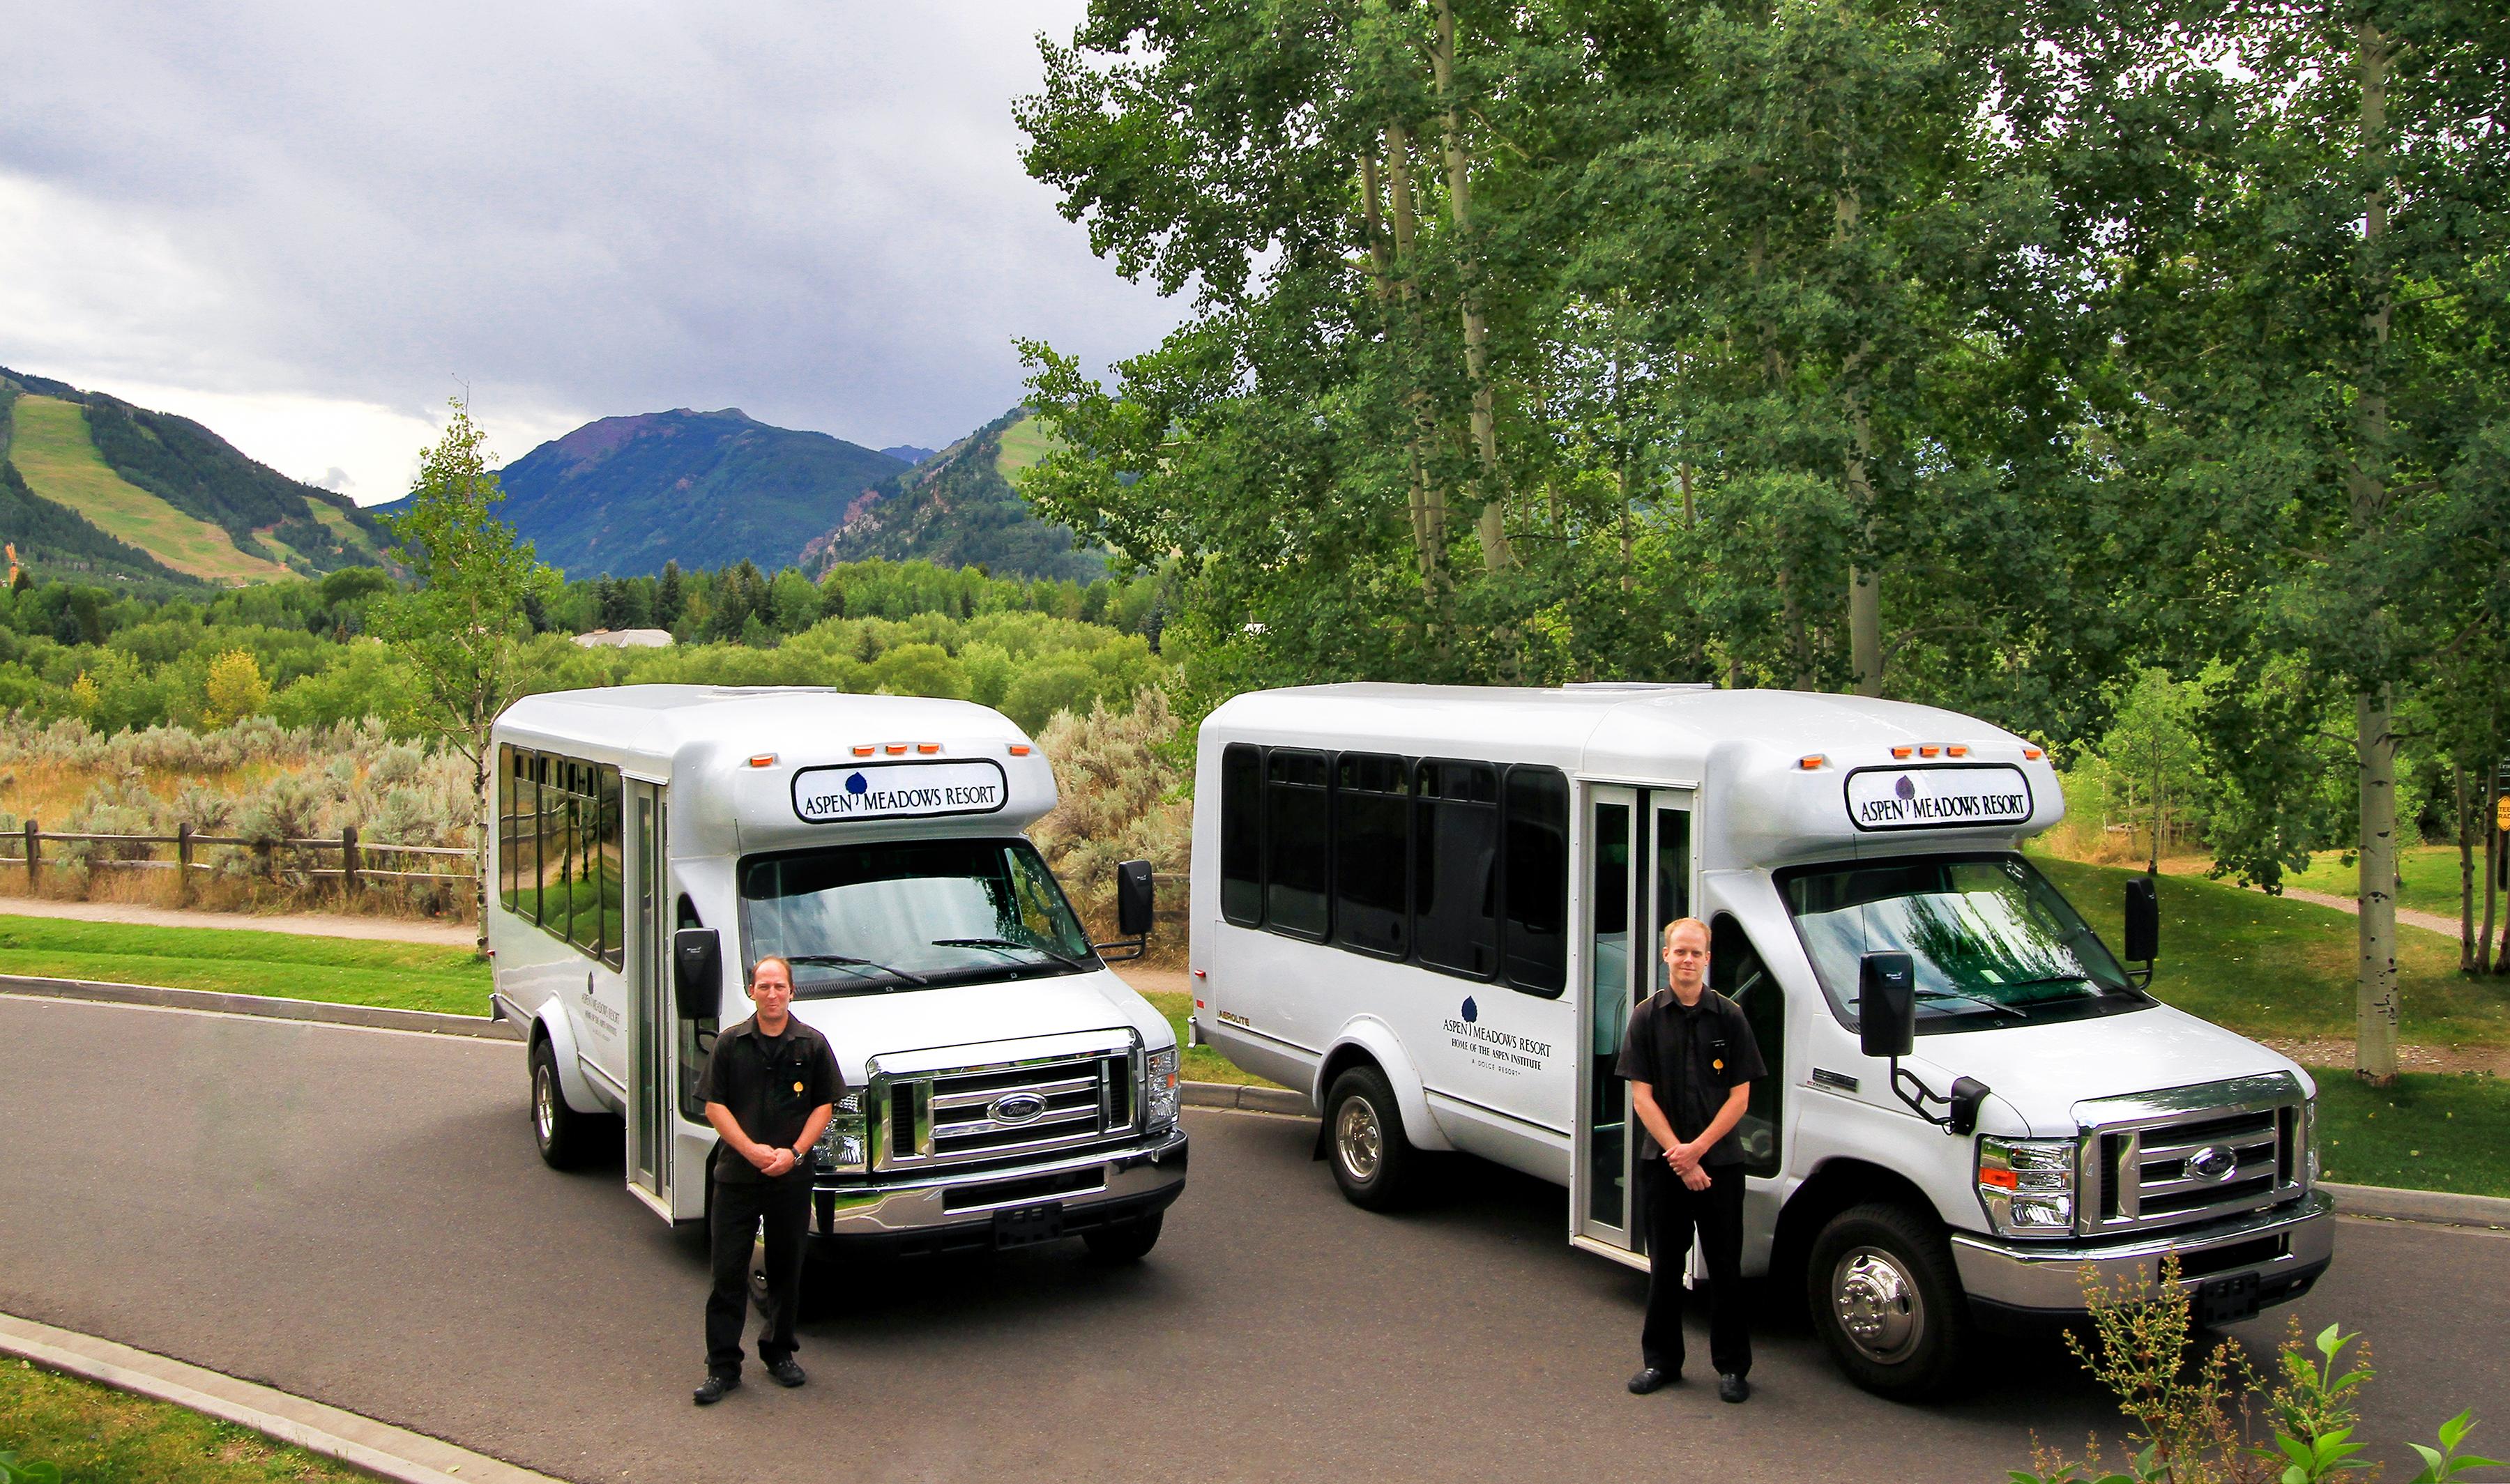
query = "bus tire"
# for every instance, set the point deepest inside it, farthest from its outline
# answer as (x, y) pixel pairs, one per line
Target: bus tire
(1882, 1289)
(1374, 1164)
(1124, 1241)
(558, 1131)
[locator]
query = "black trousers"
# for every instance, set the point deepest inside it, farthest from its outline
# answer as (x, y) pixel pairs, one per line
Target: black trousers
(785, 1206)
(1673, 1211)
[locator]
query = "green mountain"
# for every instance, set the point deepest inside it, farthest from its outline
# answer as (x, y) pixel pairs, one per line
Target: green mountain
(706, 489)
(961, 507)
(88, 483)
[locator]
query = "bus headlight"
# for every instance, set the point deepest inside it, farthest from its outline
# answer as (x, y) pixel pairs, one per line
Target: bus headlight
(842, 1145)
(2027, 1185)
(1163, 1090)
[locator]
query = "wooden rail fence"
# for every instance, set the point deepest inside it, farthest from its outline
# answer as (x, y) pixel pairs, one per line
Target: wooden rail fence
(296, 857)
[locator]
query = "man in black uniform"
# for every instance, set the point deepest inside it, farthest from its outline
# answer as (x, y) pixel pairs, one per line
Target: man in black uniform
(768, 1088)
(1690, 1059)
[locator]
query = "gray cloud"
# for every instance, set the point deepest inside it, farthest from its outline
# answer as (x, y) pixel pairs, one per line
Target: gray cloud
(811, 210)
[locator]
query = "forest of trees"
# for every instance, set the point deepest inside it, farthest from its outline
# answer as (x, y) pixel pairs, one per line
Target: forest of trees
(1985, 355)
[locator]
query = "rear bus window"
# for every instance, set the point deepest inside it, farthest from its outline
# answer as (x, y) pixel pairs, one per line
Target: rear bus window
(1241, 835)
(1295, 832)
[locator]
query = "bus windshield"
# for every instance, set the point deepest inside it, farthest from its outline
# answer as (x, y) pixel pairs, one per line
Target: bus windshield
(907, 914)
(1992, 942)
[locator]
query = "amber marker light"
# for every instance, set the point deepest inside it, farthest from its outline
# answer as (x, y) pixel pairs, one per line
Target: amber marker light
(864, 750)
(1019, 750)
(1930, 751)
(927, 749)
(896, 750)
(1903, 751)
(1811, 760)
(2002, 1179)
(2032, 753)
(1955, 752)
(762, 760)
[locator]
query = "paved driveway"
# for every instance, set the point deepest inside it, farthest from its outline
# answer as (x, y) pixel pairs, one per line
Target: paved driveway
(357, 1216)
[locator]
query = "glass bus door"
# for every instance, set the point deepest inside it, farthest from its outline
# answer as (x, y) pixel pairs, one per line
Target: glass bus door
(649, 999)
(1638, 878)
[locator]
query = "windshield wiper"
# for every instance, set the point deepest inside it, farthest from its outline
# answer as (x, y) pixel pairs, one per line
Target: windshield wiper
(843, 961)
(1065, 960)
(1978, 1000)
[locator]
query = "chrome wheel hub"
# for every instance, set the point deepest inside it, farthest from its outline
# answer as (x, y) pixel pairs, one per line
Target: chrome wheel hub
(543, 1105)
(1358, 1140)
(1878, 1305)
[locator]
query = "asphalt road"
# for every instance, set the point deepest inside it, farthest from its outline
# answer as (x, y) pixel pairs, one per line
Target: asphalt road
(358, 1217)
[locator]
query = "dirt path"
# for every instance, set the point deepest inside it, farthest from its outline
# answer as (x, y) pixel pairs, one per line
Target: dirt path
(2409, 917)
(308, 923)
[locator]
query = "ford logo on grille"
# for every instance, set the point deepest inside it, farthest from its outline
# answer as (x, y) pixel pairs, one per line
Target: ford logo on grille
(2215, 1162)
(1018, 1108)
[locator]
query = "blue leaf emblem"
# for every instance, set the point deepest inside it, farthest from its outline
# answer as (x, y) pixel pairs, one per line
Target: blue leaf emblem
(1472, 1012)
(1904, 788)
(854, 783)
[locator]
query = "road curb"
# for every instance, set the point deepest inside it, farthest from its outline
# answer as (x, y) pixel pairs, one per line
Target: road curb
(380, 1448)
(2438, 1208)
(267, 1007)
(1254, 1099)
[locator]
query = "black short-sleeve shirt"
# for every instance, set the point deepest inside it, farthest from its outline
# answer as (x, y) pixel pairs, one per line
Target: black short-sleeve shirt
(772, 1085)
(1692, 1056)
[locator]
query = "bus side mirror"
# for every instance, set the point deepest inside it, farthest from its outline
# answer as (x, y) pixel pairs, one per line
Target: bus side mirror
(1134, 898)
(1887, 1005)
(2142, 921)
(1132, 913)
(697, 972)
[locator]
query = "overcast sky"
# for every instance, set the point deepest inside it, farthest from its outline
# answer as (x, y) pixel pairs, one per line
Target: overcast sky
(301, 223)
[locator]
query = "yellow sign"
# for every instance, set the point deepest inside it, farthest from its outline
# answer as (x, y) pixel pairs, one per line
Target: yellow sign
(2501, 812)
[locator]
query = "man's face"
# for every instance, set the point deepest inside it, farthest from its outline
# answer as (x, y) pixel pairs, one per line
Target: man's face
(771, 989)
(1686, 957)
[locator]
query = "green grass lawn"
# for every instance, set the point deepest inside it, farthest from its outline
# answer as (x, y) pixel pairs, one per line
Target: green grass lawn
(241, 962)
(1202, 1064)
(2429, 873)
(2268, 966)
(97, 1435)
(2432, 1131)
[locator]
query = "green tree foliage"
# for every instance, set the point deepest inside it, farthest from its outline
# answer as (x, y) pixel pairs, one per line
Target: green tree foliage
(461, 627)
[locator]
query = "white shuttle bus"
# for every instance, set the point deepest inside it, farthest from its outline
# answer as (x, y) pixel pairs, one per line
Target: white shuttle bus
(1002, 1086)
(1432, 908)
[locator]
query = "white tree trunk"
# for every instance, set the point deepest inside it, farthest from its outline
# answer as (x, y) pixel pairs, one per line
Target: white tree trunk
(2374, 1004)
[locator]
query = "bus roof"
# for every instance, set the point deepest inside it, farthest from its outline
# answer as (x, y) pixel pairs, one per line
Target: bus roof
(654, 724)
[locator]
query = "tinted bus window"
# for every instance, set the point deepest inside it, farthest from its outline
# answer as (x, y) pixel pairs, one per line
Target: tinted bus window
(1534, 939)
(1295, 855)
(1372, 854)
(1455, 868)
(1241, 835)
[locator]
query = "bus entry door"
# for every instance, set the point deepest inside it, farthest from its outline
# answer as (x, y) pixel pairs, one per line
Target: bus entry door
(1638, 878)
(650, 1083)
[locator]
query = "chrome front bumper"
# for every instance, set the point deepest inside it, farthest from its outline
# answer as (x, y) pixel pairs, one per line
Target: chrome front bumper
(2286, 1247)
(934, 1211)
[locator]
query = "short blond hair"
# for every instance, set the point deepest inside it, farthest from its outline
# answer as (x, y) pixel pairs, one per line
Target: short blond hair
(1669, 930)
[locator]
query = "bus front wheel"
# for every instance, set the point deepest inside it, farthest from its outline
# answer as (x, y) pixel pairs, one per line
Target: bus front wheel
(1372, 1161)
(1882, 1289)
(558, 1131)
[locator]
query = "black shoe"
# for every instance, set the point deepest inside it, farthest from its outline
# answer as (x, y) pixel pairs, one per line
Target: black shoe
(1733, 1387)
(713, 1388)
(1650, 1379)
(788, 1372)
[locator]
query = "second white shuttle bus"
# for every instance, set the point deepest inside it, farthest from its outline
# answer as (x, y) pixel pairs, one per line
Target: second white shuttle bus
(1002, 1086)
(1432, 908)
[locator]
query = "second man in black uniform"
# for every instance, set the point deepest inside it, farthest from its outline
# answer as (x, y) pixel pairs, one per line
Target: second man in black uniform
(768, 1088)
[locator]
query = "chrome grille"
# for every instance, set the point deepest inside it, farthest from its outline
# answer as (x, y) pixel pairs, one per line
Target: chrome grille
(2186, 1155)
(1007, 1101)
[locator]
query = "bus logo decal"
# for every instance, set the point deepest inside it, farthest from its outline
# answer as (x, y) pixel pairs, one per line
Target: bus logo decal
(1472, 1012)
(1960, 796)
(837, 795)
